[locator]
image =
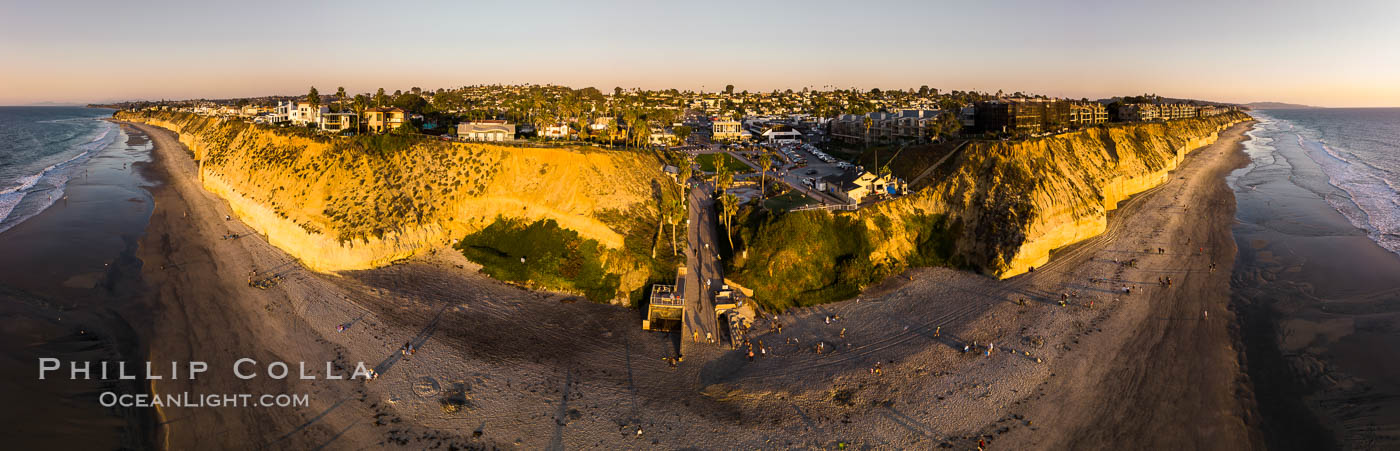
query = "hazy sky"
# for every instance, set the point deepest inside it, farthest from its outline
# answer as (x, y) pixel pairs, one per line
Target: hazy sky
(1331, 53)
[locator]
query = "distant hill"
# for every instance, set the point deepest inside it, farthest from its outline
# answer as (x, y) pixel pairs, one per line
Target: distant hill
(1278, 106)
(54, 104)
(1149, 98)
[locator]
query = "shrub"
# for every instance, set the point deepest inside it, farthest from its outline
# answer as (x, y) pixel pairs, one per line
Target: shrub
(543, 253)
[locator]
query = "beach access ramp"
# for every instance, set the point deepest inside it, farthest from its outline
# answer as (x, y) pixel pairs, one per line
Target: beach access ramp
(666, 306)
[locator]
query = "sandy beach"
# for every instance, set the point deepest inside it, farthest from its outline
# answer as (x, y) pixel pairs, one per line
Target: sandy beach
(1153, 369)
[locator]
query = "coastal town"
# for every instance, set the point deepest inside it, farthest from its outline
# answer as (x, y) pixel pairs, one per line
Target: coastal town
(778, 151)
(813, 140)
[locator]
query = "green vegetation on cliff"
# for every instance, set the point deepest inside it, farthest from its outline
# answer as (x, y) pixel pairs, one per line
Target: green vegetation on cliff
(812, 257)
(998, 207)
(543, 254)
(340, 203)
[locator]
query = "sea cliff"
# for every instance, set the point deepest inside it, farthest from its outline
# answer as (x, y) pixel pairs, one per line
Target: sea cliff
(341, 204)
(1000, 208)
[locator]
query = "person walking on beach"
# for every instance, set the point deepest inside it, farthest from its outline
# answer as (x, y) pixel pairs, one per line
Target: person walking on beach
(990, 348)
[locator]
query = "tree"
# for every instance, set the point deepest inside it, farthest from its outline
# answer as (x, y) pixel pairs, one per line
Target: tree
(360, 104)
(340, 95)
(729, 90)
(411, 102)
(765, 162)
(683, 132)
(448, 101)
(730, 202)
(722, 178)
(675, 210)
(948, 124)
(687, 172)
(611, 131)
(923, 90)
(380, 98)
(314, 98)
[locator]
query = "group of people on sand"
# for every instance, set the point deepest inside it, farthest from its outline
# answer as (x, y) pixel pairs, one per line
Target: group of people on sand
(1164, 282)
(762, 350)
(971, 347)
(262, 283)
(407, 349)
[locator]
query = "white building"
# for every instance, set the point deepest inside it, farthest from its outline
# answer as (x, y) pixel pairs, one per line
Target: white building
(304, 114)
(556, 131)
(486, 131)
(283, 112)
(337, 122)
(782, 135)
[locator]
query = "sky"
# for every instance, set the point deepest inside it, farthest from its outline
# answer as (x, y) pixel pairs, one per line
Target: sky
(1337, 53)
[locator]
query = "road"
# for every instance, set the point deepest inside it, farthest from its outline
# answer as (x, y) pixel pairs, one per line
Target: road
(703, 262)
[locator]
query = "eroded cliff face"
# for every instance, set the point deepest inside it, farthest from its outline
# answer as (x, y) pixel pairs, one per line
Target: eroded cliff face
(1015, 201)
(344, 205)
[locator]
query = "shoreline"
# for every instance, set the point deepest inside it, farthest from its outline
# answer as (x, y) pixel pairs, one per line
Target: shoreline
(584, 375)
(73, 291)
(1318, 294)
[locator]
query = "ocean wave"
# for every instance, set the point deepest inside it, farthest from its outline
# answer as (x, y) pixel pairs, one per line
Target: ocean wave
(1369, 202)
(54, 176)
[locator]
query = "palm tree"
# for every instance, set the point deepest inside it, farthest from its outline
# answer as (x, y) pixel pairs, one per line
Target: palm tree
(674, 212)
(730, 202)
(722, 178)
(611, 131)
(687, 172)
(359, 105)
(340, 94)
(314, 98)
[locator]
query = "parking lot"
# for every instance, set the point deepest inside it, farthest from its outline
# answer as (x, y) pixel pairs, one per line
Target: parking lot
(809, 166)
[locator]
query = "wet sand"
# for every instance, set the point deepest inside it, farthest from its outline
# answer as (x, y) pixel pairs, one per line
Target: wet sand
(534, 370)
(70, 288)
(1322, 310)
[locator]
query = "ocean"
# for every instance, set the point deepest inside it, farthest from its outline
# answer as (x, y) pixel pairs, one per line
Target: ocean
(1316, 281)
(39, 149)
(74, 202)
(1358, 151)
